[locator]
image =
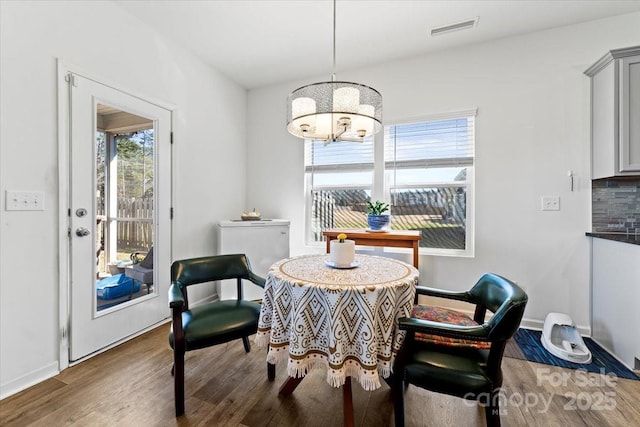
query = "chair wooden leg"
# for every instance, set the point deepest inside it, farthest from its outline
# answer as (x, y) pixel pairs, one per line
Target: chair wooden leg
(178, 381)
(271, 371)
(397, 393)
(347, 403)
(492, 410)
(247, 345)
(389, 380)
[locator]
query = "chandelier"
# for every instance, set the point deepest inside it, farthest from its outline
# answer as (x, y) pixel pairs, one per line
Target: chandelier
(335, 110)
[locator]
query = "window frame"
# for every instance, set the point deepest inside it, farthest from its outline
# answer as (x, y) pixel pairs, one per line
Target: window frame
(381, 187)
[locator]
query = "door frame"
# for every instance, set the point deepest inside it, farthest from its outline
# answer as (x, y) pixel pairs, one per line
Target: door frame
(64, 194)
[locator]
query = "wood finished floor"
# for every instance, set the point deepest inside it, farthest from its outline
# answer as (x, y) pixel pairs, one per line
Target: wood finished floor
(131, 385)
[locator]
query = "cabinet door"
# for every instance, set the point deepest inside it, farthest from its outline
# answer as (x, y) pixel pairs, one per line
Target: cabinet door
(604, 122)
(615, 297)
(630, 114)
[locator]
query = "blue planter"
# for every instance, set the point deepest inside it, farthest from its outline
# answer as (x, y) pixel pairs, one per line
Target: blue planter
(378, 222)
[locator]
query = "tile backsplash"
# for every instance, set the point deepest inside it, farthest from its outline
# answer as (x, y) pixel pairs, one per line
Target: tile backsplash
(616, 205)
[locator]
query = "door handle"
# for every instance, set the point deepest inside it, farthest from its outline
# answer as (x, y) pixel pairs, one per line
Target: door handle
(82, 232)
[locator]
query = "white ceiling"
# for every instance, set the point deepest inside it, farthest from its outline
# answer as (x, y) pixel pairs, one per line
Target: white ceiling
(262, 42)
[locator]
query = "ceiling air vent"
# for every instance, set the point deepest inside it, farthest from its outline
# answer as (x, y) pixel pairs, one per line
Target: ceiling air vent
(464, 25)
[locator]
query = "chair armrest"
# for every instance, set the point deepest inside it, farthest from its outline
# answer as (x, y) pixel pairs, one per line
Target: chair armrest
(138, 256)
(176, 299)
(475, 333)
(441, 293)
(258, 280)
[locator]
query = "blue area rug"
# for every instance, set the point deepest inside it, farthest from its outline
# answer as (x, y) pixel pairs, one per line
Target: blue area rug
(530, 345)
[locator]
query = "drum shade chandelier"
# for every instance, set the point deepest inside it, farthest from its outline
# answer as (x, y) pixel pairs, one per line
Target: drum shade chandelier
(336, 110)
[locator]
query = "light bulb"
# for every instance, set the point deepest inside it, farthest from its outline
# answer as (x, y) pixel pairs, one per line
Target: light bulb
(302, 106)
(324, 125)
(346, 100)
(362, 124)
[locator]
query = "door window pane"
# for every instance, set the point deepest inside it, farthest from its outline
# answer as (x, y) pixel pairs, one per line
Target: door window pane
(124, 205)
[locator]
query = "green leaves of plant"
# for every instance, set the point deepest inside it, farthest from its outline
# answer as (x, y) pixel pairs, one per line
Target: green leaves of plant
(376, 208)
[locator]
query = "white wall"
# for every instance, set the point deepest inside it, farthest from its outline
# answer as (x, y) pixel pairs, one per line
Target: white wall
(101, 38)
(532, 127)
(533, 108)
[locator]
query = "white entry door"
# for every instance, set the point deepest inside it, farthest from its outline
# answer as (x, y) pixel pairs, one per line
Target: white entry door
(119, 204)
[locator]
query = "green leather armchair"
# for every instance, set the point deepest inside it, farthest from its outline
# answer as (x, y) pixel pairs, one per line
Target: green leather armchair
(213, 323)
(466, 371)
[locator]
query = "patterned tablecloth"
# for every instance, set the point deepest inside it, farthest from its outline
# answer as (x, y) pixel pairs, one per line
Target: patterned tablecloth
(343, 319)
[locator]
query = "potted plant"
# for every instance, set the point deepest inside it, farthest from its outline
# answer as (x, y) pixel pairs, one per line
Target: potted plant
(376, 216)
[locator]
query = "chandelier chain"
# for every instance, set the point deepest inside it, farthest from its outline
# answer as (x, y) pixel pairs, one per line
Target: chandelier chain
(333, 74)
(334, 110)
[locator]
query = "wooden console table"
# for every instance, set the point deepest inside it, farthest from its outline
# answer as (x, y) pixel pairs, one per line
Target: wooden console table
(393, 239)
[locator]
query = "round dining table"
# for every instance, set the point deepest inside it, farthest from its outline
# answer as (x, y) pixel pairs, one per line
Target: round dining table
(343, 319)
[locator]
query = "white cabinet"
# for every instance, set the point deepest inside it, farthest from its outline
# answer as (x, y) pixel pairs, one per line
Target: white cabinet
(263, 242)
(615, 114)
(615, 298)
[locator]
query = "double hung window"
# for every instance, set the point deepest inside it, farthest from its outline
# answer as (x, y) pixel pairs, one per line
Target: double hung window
(423, 168)
(338, 182)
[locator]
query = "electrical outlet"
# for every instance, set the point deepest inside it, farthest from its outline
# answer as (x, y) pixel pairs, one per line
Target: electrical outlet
(550, 203)
(24, 200)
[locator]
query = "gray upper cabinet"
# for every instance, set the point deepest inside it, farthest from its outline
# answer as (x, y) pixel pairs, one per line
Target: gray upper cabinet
(615, 114)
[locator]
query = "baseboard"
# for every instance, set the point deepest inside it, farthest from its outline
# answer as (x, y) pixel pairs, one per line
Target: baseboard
(537, 325)
(51, 370)
(32, 378)
(208, 299)
(534, 324)
(631, 368)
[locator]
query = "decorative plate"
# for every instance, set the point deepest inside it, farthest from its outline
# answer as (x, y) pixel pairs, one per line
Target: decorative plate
(332, 264)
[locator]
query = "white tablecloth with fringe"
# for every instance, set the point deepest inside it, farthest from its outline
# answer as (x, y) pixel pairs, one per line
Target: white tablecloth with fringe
(343, 319)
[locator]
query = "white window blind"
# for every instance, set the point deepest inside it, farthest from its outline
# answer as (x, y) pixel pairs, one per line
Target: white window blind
(428, 144)
(429, 177)
(338, 156)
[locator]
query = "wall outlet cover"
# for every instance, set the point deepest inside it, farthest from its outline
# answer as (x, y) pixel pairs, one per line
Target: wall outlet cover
(550, 203)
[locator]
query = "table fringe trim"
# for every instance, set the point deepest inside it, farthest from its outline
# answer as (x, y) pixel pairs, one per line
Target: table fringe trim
(262, 339)
(368, 379)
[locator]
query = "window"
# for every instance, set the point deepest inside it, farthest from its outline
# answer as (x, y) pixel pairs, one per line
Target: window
(124, 193)
(339, 179)
(429, 177)
(426, 174)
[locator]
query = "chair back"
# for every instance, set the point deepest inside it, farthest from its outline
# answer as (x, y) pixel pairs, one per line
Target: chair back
(209, 323)
(211, 268)
(505, 299)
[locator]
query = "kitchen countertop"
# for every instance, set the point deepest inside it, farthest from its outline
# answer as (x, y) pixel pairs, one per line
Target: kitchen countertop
(633, 239)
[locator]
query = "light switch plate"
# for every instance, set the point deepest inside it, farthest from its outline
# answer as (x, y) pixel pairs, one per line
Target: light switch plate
(17, 200)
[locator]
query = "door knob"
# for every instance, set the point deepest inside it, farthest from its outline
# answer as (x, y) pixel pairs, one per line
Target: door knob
(82, 232)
